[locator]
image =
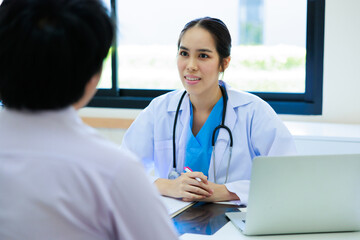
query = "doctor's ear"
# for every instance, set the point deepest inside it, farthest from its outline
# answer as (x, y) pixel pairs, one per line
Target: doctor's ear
(225, 64)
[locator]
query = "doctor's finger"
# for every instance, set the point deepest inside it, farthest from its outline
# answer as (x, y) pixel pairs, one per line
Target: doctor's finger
(197, 190)
(198, 176)
(200, 185)
(190, 197)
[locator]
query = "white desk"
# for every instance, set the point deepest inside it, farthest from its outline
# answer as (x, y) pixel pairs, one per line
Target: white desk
(313, 138)
(229, 232)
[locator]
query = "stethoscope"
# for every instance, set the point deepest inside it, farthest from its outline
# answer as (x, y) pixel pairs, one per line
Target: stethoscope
(173, 173)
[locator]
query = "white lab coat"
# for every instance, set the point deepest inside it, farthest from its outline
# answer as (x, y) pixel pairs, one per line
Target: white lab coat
(256, 130)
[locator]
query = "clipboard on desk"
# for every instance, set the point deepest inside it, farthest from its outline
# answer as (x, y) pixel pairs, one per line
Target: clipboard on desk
(175, 206)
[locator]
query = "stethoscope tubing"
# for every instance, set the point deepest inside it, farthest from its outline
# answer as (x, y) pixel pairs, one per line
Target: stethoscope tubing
(174, 128)
(222, 125)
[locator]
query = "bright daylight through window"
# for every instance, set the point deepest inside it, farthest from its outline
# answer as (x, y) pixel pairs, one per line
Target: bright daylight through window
(277, 50)
(268, 52)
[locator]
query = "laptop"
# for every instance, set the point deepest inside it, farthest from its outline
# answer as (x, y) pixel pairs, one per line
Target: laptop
(302, 194)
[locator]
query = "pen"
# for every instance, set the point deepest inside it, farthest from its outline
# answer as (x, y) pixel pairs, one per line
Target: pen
(187, 169)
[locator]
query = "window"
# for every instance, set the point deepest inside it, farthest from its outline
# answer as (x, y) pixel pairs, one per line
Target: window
(277, 51)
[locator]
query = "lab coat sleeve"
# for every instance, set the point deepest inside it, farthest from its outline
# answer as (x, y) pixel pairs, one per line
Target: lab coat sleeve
(141, 214)
(269, 136)
(241, 189)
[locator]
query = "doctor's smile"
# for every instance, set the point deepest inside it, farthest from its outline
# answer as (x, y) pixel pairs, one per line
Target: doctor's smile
(190, 79)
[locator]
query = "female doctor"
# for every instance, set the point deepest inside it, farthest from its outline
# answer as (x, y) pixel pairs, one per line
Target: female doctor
(210, 127)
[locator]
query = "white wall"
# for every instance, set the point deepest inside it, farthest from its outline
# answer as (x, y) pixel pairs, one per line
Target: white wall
(341, 96)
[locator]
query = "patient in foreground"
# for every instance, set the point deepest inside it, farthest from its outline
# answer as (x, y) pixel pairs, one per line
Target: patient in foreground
(58, 178)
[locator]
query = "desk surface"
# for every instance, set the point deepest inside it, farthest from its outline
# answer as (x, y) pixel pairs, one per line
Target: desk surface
(324, 131)
(229, 232)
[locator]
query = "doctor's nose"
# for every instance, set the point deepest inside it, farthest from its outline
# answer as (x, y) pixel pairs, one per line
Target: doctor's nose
(192, 65)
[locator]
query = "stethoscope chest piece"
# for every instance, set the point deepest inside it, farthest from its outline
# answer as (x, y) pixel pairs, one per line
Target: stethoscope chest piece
(173, 174)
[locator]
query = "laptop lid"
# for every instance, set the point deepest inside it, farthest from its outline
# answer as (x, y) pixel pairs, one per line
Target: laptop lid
(303, 194)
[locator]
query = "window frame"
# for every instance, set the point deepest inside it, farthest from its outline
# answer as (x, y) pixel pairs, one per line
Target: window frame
(308, 103)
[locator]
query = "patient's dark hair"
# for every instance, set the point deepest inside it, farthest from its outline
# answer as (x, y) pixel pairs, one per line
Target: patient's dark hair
(49, 50)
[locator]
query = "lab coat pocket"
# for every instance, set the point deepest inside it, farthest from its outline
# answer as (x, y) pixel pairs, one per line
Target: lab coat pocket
(163, 155)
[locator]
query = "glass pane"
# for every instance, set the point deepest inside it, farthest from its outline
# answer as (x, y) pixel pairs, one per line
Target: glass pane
(106, 75)
(268, 38)
(105, 80)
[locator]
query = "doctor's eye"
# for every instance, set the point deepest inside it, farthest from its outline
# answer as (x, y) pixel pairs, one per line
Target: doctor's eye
(183, 53)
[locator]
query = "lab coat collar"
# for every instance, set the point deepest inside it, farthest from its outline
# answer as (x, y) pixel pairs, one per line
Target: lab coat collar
(174, 101)
(234, 99)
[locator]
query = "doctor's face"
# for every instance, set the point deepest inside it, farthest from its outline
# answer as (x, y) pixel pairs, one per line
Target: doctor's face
(198, 62)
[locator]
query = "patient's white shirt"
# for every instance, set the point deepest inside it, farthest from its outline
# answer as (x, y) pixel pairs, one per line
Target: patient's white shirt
(59, 179)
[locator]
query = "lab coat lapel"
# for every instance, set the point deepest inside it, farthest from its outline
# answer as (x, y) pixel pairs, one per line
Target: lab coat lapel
(182, 128)
(222, 145)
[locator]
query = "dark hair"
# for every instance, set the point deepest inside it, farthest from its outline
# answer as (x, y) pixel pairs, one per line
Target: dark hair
(217, 29)
(49, 50)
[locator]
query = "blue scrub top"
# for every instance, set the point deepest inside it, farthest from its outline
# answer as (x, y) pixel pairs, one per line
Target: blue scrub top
(198, 148)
